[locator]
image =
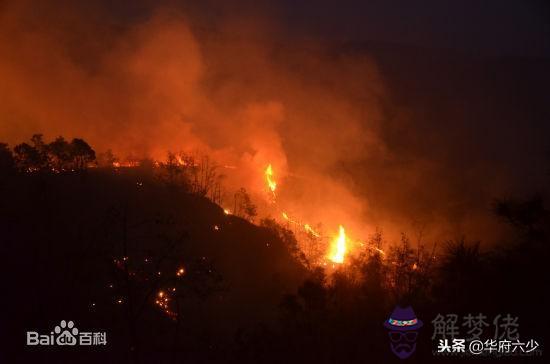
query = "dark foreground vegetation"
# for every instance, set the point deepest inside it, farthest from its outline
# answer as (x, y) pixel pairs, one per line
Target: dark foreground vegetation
(144, 254)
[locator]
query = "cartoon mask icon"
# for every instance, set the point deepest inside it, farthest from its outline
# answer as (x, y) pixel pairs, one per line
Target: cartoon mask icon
(403, 331)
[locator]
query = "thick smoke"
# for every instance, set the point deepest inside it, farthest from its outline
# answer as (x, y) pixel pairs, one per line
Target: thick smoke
(241, 91)
(156, 86)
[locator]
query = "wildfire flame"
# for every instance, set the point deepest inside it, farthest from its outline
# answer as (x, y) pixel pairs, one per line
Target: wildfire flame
(270, 180)
(339, 247)
(180, 161)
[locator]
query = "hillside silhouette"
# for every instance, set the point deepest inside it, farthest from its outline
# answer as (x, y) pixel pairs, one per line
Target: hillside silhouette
(80, 242)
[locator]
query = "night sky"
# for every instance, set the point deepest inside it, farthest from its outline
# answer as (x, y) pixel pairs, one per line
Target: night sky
(490, 28)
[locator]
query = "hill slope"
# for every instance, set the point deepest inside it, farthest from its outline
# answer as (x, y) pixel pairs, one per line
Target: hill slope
(99, 248)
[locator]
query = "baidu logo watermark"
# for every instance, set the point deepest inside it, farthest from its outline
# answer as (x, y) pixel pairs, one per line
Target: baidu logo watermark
(66, 334)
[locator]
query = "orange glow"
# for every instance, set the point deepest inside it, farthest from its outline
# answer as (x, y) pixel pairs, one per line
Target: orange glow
(279, 142)
(338, 250)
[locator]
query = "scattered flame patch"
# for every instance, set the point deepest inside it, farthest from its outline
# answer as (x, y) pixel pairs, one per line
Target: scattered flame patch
(310, 230)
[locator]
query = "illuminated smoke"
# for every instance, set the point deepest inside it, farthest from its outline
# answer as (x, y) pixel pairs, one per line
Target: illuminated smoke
(233, 88)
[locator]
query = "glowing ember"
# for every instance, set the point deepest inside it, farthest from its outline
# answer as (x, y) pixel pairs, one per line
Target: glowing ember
(180, 272)
(226, 211)
(162, 302)
(126, 164)
(339, 247)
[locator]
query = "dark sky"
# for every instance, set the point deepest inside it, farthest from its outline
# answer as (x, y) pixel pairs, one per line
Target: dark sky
(490, 27)
(500, 27)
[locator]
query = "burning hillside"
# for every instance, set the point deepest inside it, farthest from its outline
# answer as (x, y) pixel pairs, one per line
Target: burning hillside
(163, 86)
(352, 134)
(273, 181)
(336, 247)
(197, 175)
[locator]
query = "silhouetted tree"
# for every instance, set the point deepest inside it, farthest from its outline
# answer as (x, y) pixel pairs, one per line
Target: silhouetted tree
(459, 270)
(81, 153)
(403, 260)
(57, 155)
(527, 216)
(29, 158)
(7, 161)
(173, 173)
(38, 142)
(216, 194)
(106, 159)
(243, 205)
(287, 237)
(203, 175)
(60, 154)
